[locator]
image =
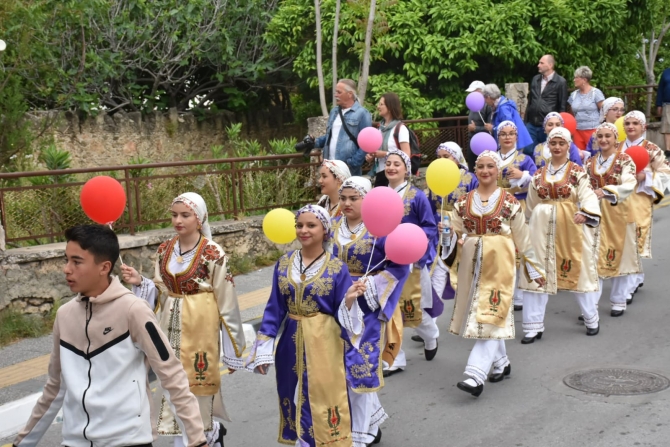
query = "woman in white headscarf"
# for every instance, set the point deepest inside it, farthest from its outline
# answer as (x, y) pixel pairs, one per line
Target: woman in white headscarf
(612, 109)
(331, 175)
(195, 291)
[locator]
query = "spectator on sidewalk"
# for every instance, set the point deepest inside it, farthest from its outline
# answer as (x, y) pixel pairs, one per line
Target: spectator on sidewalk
(476, 122)
(663, 106)
(548, 93)
(339, 142)
(504, 110)
(104, 340)
(585, 103)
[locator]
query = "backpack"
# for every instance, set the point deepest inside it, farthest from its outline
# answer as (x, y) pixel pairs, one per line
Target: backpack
(414, 146)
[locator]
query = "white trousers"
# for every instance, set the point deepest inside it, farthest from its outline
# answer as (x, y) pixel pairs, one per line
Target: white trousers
(427, 330)
(518, 294)
(536, 305)
(211, 436)
(485, 355)
(639, 278)
(367, 415)
(622, 289)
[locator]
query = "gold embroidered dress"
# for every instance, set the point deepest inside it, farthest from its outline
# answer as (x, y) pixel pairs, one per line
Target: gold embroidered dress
(487, 269)
(196, 301)
(569, 251)
(618, 252)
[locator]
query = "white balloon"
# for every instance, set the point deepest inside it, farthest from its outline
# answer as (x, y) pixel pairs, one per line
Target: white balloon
(3, 45)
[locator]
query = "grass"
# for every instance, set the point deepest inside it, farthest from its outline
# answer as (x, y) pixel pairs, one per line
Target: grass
(15, 325)
(239, 265)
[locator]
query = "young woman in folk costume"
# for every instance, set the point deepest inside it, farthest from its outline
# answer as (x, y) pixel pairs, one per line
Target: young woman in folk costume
(612, 174)
(310, 288)
(514, 177)
(652, 183)
(196, 297)
(359, 250)
(417, 308)
(542, 153)
(443, 283)
(331, 175)
(564, 213)
(491, 225)
(612, 109)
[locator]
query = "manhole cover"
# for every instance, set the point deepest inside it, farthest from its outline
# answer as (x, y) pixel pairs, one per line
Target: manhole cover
(617, 381)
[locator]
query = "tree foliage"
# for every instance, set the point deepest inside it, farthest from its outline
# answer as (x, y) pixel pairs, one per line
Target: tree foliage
(428, 51)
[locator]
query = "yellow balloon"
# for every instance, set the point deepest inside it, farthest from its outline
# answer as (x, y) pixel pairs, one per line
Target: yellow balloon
(443, 176)
(619, 127)
(279, 226)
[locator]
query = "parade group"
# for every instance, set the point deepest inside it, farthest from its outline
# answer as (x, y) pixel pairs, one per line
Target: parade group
(516, 230)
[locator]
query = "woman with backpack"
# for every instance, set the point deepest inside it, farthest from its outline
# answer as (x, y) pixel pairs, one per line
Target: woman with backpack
(395, 135)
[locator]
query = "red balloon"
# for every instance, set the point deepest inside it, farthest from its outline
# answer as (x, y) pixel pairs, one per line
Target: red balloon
(569, 122)
(640, 156)
(406, 244)
(103, 199)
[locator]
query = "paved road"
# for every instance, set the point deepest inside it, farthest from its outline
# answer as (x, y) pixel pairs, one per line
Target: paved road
(533, 408)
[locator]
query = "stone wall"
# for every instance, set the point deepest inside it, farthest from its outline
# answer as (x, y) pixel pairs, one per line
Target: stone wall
(32, 278)
(112, 140)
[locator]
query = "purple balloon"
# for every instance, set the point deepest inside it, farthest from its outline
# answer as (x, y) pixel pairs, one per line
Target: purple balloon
(475, 101)
(481, 142)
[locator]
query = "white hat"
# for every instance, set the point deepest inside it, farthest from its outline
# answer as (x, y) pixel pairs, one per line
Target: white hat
(474, 85)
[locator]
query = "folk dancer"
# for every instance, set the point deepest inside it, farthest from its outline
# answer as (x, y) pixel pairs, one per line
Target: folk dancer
(417, 307)
(196, 296)
(612, 109)
(564, 213)
(542, 153)
(514, 176)
(490, 223)
(360, 251)
(331, 175)
(612, 174)
(310, 287)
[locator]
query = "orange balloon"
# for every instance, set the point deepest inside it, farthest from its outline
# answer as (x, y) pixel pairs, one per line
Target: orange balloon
(103, 199)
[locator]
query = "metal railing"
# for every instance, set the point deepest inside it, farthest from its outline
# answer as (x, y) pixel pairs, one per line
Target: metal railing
(637, 97)
(454, 128)
(232, 187)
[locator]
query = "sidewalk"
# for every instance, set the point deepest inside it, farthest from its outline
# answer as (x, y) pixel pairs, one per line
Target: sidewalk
(23, 365)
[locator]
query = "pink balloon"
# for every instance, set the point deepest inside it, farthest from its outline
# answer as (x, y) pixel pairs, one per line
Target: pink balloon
(370, 139)
(406, 244)
(382, 210)
(483, 141)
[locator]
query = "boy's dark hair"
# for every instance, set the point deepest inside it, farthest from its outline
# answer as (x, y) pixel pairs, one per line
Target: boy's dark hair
(100, 240)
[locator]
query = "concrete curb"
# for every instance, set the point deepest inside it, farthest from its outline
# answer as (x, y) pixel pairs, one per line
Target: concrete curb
(14, 415)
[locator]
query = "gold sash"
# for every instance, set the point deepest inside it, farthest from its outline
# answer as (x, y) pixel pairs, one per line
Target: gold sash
(199, 348)
(496, 280)
(327, 386)
(568, 245)
(410, 299)
(394, 330)
(612, 238)
(639, 212)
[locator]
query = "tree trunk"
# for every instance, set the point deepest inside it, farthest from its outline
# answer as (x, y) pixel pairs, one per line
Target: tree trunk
(319, 59)
(363, 81)
(336, 29)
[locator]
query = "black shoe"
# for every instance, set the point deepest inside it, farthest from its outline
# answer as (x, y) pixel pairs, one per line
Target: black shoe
(474, 390)
(630, 300)
(222, 433)
(417, 338)
(518, 308)
(616, 313)
(529, 340)
(389, 373)
(430, 353)
(640, 286)
(593, 331)
(378, 438)
(498, 377)
(580, 318)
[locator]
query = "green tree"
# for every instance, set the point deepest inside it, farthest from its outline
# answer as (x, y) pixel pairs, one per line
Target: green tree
(428, 51)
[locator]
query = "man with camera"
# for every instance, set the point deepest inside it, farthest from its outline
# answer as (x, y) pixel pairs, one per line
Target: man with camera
(346, 120)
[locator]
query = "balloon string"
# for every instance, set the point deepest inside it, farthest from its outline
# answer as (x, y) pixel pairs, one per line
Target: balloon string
(480, 115)
(371, 253)
(110, 227)
(380, 263)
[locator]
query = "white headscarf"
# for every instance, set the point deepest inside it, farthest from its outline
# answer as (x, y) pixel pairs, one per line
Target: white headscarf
(455, 150)
(638, 116)
(560, 132)
(360, 184)
(611, 127)
(507, 123)
(319, 211)
(551, 115)
(404, 157)
(197, 204)
(493, 155)
(607, 105)
(339, 169)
